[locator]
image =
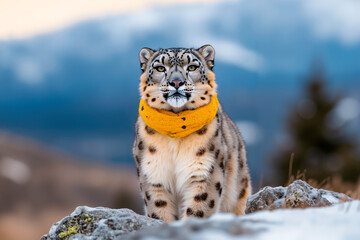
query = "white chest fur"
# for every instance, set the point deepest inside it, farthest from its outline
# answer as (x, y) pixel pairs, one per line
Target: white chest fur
(174, 161)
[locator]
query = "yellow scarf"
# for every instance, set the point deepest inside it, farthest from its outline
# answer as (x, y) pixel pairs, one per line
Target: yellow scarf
(177, 125)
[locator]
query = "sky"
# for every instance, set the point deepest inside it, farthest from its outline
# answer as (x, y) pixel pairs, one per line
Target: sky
(331, 18)
(29, 18)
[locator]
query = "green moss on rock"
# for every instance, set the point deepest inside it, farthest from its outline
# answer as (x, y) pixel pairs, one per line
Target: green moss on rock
(82, 223)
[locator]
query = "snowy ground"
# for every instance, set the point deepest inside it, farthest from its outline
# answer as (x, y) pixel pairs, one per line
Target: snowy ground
(335, 222)
(340, 221)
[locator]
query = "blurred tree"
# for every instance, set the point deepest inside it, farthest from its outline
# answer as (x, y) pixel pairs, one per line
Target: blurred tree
(317, 145)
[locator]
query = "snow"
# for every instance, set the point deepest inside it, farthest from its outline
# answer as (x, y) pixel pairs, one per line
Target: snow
(330, 198)
(222, 217)
(341, 221)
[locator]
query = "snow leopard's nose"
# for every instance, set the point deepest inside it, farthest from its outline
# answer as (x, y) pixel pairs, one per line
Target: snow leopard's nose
(176, 83)
(176, 79)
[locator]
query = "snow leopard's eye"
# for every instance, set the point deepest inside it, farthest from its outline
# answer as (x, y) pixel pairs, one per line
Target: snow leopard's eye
(192, 68)
(160, 69)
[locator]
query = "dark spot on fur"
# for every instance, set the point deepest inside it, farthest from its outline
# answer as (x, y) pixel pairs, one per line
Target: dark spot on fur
(242, 193)
(221, 165)
(144, 89)
(149, 130)
(220, 191)
(206, 92)
(211, 147)
(245, 182)
(212, 204)
(153, 215)
(217, 152)
(199, 214)
(202, 98)
(176, 217)
(183, 127)
(200, 152)
(142, 108)
(153, 100)
(162, 102)
(160, 203)
(183, 118)
(193, 101)
(137, 159)
(216, 133)
(212, 169)
(189, 212)
(147, 195)
(152, 149)
(138, 172)
(241, 163)
(148, 95)
(157, 185)
(218, 186)
(141, 145)
(201, 197)
(202, 131)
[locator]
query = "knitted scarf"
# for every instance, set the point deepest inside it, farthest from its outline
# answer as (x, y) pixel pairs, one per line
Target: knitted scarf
(177, 125)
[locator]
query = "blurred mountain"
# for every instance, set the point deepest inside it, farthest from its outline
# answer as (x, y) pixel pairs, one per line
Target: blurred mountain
(76, 89)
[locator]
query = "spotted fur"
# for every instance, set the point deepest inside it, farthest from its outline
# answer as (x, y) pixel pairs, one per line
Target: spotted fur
(204, 172)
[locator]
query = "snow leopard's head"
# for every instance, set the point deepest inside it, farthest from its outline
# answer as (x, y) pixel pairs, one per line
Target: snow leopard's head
(177, 79)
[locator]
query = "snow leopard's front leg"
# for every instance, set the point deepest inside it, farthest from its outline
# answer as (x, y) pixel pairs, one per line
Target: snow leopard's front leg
(159, 202)
(155, 181)
(203, 189)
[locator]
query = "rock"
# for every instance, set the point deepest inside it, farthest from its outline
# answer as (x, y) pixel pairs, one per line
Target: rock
(87, 223)
(298, 194)
(267, 198)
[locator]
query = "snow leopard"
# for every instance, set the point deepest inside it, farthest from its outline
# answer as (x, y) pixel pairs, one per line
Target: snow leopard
(199, 174)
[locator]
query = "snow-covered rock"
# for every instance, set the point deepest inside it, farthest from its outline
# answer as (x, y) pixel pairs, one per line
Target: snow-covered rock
(298, 194)
(87, 223)
(340, 221)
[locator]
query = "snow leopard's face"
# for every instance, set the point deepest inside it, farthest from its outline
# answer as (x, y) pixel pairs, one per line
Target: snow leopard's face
(177, 79)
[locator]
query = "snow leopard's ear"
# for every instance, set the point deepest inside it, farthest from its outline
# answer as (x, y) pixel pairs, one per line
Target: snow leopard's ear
(144, 55)
(208, 53)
